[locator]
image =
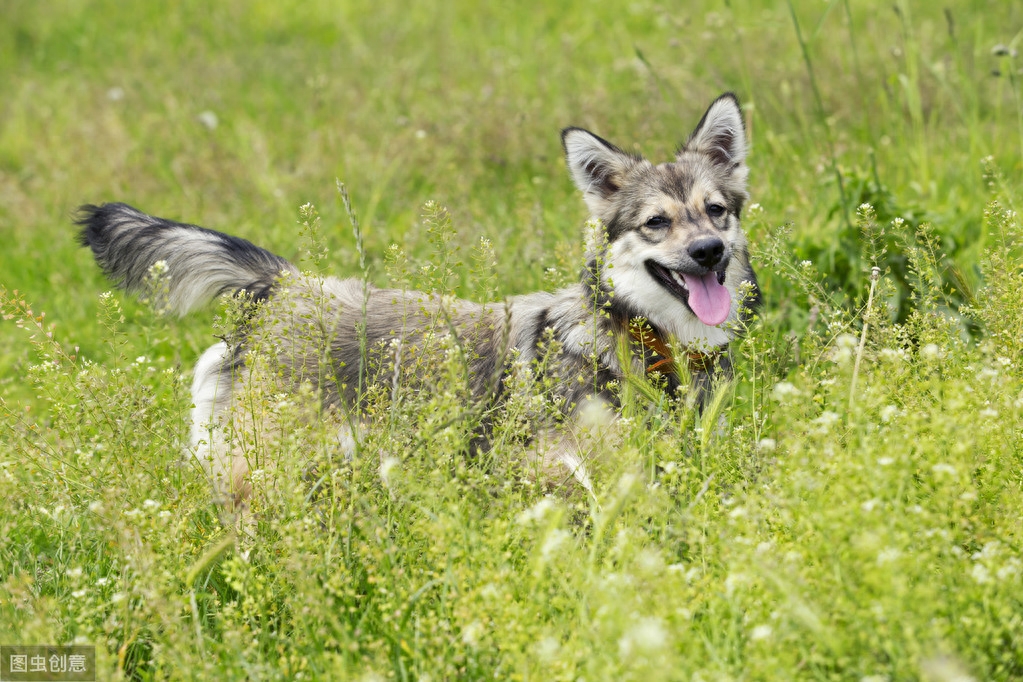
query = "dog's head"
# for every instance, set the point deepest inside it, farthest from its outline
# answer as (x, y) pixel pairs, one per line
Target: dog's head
(673, 251)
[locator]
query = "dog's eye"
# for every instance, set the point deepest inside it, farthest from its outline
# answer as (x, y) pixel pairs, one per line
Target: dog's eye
(715, 210)
(658, 222)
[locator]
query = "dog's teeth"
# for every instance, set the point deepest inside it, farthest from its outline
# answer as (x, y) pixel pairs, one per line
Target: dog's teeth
(678, 278)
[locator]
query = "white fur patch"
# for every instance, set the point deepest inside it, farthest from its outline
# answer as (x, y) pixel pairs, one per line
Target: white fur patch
(637, 288)
(211, 395)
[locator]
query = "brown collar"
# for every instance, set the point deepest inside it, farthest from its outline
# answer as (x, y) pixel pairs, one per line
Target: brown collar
(698, 360)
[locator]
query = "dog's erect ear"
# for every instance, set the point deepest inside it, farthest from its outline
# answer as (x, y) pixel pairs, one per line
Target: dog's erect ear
(597, 166)
(721, 133)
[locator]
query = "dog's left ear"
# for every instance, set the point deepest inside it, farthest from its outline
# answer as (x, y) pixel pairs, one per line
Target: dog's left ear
(721, 133)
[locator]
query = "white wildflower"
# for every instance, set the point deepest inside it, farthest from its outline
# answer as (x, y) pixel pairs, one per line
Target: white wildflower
(990, 550)
(650, 561)
(208, 119)
(826, 420)
(888, 555)
(893, 354)
(945, 668)
(547, 648)
(647, 635)
(471, 633)
(1011, 569)
(553, 542)
(594, 413)
(387, 465)
(733, 580)
(760, 632)
(844, 347)
(537, 512)
(784, 390)
(626, 483)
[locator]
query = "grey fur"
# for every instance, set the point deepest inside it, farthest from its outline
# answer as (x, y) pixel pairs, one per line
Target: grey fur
(650, 222)
(201, 264)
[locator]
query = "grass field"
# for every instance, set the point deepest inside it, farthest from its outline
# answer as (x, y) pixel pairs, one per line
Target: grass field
(856, 514)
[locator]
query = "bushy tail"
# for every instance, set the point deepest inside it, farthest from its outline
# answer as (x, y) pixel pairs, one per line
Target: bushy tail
(200, 264)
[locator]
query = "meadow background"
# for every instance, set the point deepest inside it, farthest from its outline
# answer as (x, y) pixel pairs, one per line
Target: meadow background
(856, 516)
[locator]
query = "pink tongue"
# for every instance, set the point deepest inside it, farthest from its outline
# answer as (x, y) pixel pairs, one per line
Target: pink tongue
(708, 299)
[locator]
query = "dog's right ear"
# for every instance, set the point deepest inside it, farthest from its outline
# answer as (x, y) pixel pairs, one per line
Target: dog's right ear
(597, 166)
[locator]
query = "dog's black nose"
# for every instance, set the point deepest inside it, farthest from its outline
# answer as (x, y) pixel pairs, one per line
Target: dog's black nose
(707, 251)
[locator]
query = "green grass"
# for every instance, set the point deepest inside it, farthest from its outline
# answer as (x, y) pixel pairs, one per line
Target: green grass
(820, 531)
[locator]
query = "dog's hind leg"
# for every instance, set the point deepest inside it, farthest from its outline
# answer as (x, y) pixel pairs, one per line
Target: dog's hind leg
(212, 389)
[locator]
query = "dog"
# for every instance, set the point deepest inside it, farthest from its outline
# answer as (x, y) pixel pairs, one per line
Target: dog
(668, 278)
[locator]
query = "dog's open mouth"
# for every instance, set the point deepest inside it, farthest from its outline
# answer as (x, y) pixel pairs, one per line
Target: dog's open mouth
(705, 294)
